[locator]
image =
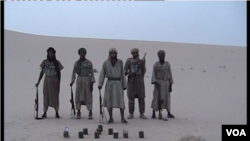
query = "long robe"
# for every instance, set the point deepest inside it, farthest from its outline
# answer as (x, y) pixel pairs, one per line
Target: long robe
(50, 85)
(113, 95)
(83, 94)
(136, 86)
(162, 74)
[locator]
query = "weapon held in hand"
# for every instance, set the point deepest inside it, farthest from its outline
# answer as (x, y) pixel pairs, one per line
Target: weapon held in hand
(36, 106)
(144, 56)
(102, 113)
(160, 101)
(73, 112)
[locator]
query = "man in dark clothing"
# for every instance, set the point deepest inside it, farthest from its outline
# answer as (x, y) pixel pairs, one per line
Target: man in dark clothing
(135, 69)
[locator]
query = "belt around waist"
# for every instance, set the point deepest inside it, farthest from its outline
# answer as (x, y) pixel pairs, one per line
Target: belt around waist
(114, 79)
(50, 75)
(164, 79)
(83, 75)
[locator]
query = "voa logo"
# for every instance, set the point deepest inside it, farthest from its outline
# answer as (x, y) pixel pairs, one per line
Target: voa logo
(236, 132)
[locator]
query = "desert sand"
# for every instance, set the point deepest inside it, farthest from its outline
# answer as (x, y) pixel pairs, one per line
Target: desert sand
(209, 89)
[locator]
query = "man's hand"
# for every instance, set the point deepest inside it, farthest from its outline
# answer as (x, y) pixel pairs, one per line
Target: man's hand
(157, 85)
(71, 84)
(170, 88)
(91, 87)
(99, 87)
(37, 84)
(58, 87)
(132, 73)
(124, 89)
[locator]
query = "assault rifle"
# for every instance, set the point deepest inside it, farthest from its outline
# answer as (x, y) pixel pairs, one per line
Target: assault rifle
(36, 106)
(160, 101)
(101, 108)
(73, 112)
(143, 61)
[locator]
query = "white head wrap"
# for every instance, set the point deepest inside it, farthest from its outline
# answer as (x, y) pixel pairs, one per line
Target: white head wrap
(134, 50)
(112, 49)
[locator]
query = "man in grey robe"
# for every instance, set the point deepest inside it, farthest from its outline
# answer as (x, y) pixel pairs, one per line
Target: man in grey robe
(112, 69)
(135, 69)
(162, 79)
(84, 83)
(51, 67)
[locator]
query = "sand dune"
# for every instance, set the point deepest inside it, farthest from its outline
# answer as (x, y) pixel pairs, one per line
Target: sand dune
(209, 89)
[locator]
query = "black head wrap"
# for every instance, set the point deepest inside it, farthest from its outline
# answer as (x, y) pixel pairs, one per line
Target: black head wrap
(54, 60)
(160, 52)
(78, 68)
(51, 49)
(82, 49)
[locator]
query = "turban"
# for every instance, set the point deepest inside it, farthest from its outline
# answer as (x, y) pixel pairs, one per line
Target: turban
(161, 52)
(51, 49)
(112, 49)
(82, 49)
(134, 50)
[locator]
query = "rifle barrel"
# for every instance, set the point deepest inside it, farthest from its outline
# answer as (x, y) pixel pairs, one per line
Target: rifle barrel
(144, 56)
(72, 102)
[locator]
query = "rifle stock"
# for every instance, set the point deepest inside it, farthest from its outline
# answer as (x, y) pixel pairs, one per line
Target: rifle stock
(72, 104)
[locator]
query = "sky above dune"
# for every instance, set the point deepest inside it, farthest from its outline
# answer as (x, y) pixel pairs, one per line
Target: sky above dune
(202, 22)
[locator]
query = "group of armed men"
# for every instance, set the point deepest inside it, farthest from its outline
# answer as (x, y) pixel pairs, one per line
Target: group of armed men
(116, 73)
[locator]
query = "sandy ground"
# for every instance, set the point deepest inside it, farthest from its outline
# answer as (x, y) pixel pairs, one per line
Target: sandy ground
(209, 89)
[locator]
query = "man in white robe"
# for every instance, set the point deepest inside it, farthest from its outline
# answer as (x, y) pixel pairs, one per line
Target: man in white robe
(112, 69)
